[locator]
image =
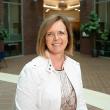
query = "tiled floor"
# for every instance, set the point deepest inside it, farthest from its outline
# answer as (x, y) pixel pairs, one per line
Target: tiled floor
(7, 93)
(95, 74)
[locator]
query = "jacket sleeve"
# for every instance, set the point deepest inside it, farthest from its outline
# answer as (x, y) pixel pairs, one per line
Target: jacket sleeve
(81, 102)
(26, 92)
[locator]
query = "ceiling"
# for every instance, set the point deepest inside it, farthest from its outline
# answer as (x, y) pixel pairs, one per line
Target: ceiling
(61, 4)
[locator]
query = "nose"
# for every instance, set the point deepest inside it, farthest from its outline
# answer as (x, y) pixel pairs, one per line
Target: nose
(56, 37)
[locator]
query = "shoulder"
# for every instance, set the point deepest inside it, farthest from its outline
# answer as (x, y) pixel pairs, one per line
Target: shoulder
(72, 65)
(34, 66)
(31, 69)
(72, 61)
(38, 61)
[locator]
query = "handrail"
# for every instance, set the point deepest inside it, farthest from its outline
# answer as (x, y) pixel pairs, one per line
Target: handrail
(97, 99)
(94, 98)
(8, 77)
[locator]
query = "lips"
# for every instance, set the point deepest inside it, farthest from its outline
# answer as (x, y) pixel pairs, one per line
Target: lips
(56, 44)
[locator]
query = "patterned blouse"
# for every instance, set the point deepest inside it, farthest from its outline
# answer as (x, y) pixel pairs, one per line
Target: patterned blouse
(68, 98)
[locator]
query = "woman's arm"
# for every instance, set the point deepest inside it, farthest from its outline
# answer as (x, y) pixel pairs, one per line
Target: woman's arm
(26, 92)
(81, 102)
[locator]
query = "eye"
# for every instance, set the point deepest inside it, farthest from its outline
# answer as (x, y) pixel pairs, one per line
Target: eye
(61, 33)
(49, 34)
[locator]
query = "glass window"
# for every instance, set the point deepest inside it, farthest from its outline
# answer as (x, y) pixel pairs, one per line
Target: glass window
(15, 1)
(12, 22)
(101, 11)
(6, 24)
(108, 15)
(100, 0)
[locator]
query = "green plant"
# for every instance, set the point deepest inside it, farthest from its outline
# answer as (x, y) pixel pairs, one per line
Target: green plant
(91, 29)
(104, 34)
(3, 33)
(92, 26)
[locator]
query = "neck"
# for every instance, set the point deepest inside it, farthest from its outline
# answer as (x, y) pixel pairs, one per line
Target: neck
(57, 60)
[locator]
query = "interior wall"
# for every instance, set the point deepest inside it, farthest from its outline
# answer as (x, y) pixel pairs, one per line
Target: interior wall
(32, 18)
(74, 15)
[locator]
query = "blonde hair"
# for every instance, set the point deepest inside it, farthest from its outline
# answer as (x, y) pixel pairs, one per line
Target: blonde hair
(46, 24)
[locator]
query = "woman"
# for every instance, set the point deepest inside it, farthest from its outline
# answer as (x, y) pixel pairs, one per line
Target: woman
(51, 81)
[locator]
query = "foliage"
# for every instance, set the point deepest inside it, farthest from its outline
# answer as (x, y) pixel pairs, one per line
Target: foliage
(104, 34)
(3, 33)
(92, 26)
(94, 30)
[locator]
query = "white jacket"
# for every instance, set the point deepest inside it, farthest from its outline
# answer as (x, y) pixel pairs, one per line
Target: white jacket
(38, 87)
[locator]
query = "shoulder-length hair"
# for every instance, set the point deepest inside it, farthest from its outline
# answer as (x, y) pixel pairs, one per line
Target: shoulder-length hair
(46, 24)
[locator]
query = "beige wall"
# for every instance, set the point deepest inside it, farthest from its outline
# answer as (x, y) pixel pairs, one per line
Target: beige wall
(74, 15)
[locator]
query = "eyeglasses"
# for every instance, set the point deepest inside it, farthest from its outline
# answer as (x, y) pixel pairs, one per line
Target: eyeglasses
(59, 34)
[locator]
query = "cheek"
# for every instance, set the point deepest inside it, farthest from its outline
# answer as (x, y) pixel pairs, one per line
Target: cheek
(66, 41)
(48, 42)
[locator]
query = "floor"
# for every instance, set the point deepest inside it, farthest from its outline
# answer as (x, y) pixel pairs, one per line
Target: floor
(95, 75)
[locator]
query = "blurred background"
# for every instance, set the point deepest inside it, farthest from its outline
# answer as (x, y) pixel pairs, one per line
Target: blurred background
(19, 24)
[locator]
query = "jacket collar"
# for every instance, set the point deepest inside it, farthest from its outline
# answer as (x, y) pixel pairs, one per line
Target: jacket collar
(50, 67)
(68, 68)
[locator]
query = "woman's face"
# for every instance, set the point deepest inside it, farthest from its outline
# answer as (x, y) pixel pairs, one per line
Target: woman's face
(57, 38)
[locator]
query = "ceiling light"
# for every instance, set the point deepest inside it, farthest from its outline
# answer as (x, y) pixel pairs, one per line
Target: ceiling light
(47, 10)
(73, 7)
(49, 6)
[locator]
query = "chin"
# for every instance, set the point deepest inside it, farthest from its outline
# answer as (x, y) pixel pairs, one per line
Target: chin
(57, 52)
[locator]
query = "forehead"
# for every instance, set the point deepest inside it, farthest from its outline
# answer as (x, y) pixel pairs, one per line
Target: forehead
(58, 25)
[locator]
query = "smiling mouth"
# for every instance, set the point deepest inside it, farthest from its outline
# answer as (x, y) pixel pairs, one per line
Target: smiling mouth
(56, 44)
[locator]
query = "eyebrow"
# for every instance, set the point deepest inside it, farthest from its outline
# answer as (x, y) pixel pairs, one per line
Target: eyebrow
(56, 31)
